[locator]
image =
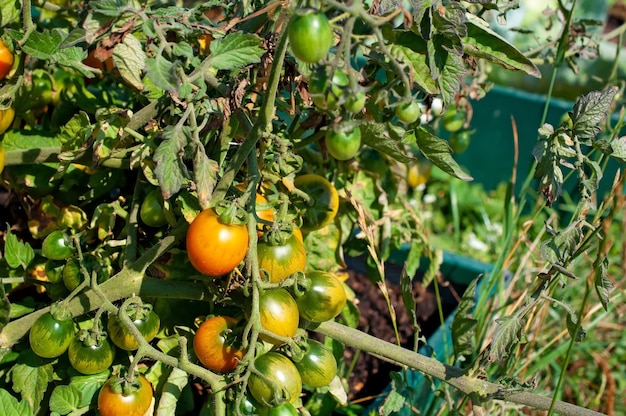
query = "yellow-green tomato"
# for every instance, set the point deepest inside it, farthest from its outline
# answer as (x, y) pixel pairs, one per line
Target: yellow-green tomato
(275, 376)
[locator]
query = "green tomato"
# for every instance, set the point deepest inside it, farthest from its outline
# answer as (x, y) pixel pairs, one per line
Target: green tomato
(408, 112)
(280, 379)
(324, 298)
(56, 246)
(50, 337)
(355, 102)
(317, 366)
(326, 92)
(343, 144)
(453, 120)
(459, 141)
(283, 409)
(147, 322)
(152, 210)
(90, 357)
(310, 35)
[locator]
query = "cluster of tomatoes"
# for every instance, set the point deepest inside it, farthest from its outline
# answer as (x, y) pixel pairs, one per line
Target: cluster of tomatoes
(93, 350)
(290, 296)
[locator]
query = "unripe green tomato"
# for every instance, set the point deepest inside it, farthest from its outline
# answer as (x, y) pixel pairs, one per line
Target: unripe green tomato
(326, 92)
(408, 112)
(355, 102)
(459, 141)
(56, 246)
(152, 210)
(343, 144)
(453, 120)
(310, 35)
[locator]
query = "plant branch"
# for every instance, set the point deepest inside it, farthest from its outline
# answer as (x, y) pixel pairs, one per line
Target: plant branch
(454, 376)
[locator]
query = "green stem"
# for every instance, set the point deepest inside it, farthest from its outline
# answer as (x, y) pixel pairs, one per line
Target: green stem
(478, 388)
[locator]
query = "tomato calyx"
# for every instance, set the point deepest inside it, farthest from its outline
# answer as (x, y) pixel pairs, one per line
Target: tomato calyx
(278, 235)
(93, 337)
(126, 385)
(138, 310)
(230, 213)
(60, 311)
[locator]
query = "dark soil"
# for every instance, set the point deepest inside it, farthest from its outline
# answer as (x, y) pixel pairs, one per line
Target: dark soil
(371, 375)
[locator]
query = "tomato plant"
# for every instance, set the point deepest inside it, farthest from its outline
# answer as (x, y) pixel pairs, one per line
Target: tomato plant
(344, 143)
(310, 35)
(323, 298)
(323, 203)
(276, 378)
(281, 259)
(122, 397)
(50, 337)
(143, 317)
(57, 246)
(214, 247)
(6, 60)
(278, 314)
(214, 344)
(90, 352)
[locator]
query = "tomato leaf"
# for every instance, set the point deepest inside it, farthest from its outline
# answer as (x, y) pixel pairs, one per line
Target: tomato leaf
(236, 51)
(9, 405)
(130, 60)
(409, 48)
(591, 110)
(169, 165)
(173, 388)
(31, 376)
(205, 171)
(439, 153)
(162, 73)
(395, 400)
(16, 252)
(464, 325)
(88, 386)
(482, 42)
(602, 283)
(65, 399)
(505, 336)
(9, 12)
(378, 137)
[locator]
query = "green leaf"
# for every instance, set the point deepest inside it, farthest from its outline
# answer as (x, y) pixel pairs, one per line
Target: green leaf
(408, 47)
(236, 51)
(406, 287)
(169, 165)
(31, 376)
(395, 400)
(162, 73)
(172, 390)
(130, 61)
(9, 405)
(482, 42)
(205, 172)
(378, 137)
(560, 246)
(464, 325)
(590, 110)
(438, 152)
(42, 45)
(615, 148)
(17, 253)
(5, 312)
(505, 336)
(65, 399)
(88, 386)
(602, 283)
(9, 12)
